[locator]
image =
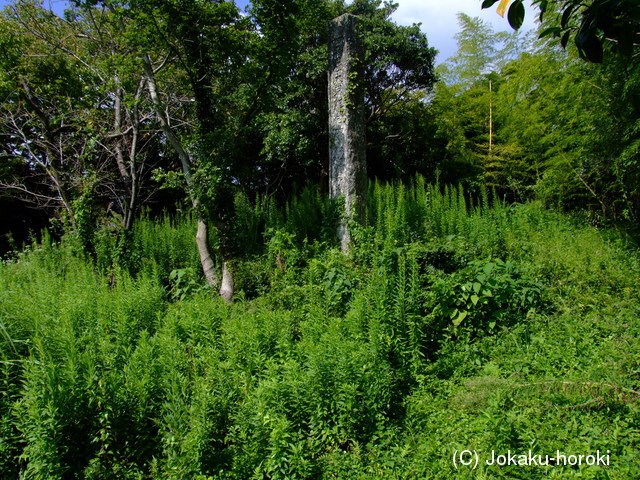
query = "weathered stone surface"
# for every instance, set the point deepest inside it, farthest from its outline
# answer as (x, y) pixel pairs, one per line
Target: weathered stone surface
(347, 161)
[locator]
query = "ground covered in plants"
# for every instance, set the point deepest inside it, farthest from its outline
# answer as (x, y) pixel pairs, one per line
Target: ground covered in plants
(454, 324)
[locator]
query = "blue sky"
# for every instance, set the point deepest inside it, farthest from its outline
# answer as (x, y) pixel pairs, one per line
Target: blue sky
(438, 18)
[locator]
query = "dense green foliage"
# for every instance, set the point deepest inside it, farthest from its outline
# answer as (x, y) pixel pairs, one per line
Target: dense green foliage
(247, 105)
(244, 95)
(456, 323)
(466, 317)
(534, 121)
(118, 99)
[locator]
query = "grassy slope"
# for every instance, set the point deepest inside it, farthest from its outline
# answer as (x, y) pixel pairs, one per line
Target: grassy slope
(331, 367)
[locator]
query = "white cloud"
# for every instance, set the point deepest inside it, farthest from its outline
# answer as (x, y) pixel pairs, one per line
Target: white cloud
(439, 21)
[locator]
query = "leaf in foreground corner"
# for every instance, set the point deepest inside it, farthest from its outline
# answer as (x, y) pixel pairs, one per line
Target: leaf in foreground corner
(516, 15)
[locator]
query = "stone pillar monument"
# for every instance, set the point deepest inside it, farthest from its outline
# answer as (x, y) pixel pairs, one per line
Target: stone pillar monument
(347, 144)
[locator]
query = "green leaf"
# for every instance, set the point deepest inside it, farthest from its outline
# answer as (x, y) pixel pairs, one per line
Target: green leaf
(460, 318)
(555, 31)
(543, 5)
(474, 299)
(566, 15)
(488, 3)
(477, 287)
(589, 45)
(626, 42)
(543, 9)
(516, 15)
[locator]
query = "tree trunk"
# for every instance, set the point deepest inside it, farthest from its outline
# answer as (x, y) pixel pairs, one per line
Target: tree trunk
(347, 161)
(202, 241)
(226, 289)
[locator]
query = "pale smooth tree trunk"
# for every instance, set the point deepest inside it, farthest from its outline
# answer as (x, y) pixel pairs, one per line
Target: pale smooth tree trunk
(226, 288)
(202, 242)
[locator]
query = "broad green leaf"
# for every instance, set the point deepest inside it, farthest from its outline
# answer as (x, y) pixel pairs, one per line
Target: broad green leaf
(474, 299)
(488, 3)
(543, 8)
(460, 318)
(589, 45)
(566, 15)
(516, 15)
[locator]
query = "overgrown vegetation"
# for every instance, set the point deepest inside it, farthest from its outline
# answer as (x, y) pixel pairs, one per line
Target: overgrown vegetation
(455, 323)
(469, 313)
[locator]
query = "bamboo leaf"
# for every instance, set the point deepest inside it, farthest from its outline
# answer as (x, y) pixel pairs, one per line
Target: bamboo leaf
(555, 31)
